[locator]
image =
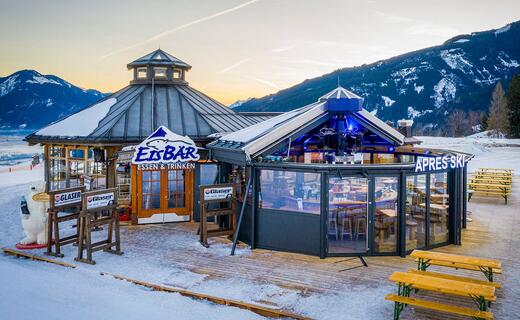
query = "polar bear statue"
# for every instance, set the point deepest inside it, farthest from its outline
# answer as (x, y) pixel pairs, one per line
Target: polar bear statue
(34, 218)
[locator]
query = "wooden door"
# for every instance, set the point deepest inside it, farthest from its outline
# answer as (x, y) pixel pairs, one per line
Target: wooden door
(164, 195)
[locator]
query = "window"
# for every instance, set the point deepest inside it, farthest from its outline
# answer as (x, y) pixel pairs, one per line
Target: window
(439, 208)
(141, 73)
(386, 213)
(159, 73)
(290, 191)
(176, 74)
(415, 212)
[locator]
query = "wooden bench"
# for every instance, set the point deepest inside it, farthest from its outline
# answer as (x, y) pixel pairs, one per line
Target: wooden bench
(401, 301)
(454, 277)
(486, 266)
(489, 189)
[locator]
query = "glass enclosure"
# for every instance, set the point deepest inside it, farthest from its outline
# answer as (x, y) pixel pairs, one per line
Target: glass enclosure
(386, 214)
(415, 212)
(347, 218)
(290, 191)
(439, 208)
(68, 165)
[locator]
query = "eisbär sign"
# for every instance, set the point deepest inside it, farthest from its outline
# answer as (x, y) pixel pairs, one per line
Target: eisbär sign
(425, 164)
(218, 193)
(165, 149)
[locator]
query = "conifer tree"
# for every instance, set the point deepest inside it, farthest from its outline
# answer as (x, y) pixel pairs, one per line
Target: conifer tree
(513, 100)
(498, 120)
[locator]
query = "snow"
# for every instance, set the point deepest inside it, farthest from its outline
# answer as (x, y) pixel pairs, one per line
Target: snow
(502, 56)
(238, 103)
(8, 85)
(455, 59)
(80, 124)
(388, 101)
(417, 88)
(503, 29)
(462, 41)
(444, 91)
(412, 113)
(489, 152)
(39, 79)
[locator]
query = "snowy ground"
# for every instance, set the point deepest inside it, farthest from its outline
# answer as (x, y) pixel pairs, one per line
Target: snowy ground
(61, 293)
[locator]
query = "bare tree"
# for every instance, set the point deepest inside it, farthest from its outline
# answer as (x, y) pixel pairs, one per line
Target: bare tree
(498, 120)
(457, 125)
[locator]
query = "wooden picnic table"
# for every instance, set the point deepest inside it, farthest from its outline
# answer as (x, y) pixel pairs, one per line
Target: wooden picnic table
(427, 258)
(490, 179)
(482, 294)
(435, 206)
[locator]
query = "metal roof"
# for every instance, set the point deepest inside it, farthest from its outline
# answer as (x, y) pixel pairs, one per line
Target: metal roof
(254, 140)
(159, 57)
(133, 117)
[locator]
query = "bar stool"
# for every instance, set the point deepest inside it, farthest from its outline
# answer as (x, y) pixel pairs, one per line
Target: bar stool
(361, 226)
(333, 223)
(346, 224)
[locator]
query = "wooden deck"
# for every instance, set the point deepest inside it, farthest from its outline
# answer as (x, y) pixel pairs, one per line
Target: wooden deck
(494, 233)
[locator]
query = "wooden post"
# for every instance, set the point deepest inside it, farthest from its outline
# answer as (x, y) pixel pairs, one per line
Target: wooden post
(60, 201)
(225, 196)
(92, 202)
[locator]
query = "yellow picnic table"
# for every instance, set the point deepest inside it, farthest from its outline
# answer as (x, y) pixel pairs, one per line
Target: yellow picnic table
(486, 266)
(482, 294)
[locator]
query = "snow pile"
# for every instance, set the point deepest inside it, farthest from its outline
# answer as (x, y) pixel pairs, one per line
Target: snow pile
(80, 124)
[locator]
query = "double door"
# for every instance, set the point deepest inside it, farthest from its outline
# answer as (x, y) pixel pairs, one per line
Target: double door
(164, 195)
(362, 215)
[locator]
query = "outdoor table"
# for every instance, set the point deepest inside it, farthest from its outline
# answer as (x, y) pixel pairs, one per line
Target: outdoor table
(481, 294)
(456, 261)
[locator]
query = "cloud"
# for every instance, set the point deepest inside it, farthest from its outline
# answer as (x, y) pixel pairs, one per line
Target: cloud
(283, 49)
(417, 27)
(263, 81)
(181, 27)
(235, 65)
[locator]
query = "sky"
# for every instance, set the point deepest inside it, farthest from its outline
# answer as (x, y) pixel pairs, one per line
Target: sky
(238, 48)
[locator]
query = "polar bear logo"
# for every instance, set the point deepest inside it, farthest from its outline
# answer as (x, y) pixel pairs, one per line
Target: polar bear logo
(34, 218)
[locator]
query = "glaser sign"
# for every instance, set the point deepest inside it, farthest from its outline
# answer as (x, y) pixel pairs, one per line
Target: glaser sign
(439, 163)
(61, 199)
(165, 149)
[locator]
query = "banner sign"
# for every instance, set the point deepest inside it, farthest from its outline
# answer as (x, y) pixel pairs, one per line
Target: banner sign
(425, 164)
(218, 193)
(163, 149)
(64, 198)
(100, 200)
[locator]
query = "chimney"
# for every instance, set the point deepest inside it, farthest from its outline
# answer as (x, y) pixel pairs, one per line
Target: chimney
(405, 127)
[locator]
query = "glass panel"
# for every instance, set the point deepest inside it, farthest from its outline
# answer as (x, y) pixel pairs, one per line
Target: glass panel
(439, 208)
(208, 174)
(415, 212)
(160, 72)
(176, 189)
(348, 215)
(77, 169)
(141, 73)
(290, 191)
(386, 213)
(151, 186)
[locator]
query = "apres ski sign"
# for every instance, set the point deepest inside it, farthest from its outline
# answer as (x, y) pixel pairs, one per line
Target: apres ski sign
(424, 164)
(165, 149)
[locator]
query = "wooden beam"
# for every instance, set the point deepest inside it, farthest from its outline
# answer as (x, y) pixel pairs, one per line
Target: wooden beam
(26, 255)
(261, 310)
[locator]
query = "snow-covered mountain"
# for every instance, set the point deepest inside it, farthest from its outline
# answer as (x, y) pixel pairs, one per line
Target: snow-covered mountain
(424, 85)
(30, 100)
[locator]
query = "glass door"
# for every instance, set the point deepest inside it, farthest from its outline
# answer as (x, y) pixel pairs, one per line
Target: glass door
(347, 217)
(176, 189)
(386, 191)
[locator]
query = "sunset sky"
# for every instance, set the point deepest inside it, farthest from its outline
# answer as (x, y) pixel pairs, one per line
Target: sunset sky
(238, 48)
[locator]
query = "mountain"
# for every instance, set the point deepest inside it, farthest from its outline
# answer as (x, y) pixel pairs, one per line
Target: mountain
(424, 85)
(30, 100)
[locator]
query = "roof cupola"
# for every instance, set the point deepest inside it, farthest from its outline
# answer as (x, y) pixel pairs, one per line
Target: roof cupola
(159, 66)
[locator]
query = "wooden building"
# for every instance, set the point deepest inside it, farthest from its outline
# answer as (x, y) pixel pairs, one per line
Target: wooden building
(97, 141)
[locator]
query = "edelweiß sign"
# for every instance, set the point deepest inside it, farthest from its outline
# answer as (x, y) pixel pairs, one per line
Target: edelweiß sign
(424, 164)
(165, 149)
